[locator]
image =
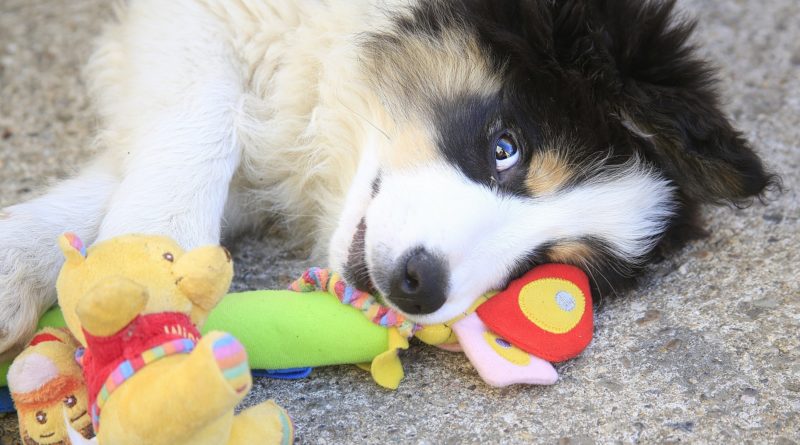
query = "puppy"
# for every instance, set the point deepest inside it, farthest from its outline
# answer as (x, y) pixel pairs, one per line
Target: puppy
(433, 149)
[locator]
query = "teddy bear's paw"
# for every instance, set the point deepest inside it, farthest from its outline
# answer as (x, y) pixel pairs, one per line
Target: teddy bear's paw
(265, 423)
(231, 359)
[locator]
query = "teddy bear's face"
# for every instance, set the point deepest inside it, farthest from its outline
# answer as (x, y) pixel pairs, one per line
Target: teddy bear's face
(174, 280)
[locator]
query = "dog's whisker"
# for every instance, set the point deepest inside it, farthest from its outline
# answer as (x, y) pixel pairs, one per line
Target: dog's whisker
(371, 124)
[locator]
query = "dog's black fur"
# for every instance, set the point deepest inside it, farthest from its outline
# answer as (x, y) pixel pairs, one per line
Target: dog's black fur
(620, 77)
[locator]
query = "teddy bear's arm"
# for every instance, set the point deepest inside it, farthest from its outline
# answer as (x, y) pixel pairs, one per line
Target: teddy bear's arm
(182, 398)
(110, 306)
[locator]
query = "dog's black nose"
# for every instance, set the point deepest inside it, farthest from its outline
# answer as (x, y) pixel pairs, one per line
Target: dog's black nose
(419, 284)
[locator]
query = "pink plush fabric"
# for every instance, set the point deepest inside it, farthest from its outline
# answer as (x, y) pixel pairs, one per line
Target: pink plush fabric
(498, 369)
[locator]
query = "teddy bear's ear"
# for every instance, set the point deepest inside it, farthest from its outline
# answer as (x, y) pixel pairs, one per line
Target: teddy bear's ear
(73, 248)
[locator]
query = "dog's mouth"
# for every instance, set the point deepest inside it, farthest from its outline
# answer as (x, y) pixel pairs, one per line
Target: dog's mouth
(356, 270)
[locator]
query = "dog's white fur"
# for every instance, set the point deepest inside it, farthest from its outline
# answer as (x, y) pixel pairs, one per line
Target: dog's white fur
(217, 113)
(195, 95)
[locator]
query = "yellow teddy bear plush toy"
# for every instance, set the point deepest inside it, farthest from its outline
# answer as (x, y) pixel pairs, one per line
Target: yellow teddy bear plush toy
(135, 303)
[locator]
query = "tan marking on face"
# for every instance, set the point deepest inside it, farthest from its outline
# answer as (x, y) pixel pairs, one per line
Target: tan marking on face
(4, 214)
(570, 252)
(411, 146)
(417, 70)
(548, 173)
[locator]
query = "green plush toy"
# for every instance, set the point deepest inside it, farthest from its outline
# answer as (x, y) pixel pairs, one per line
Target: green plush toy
(302, 327)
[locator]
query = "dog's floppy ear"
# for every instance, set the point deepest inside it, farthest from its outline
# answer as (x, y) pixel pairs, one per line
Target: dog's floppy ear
(666, 97)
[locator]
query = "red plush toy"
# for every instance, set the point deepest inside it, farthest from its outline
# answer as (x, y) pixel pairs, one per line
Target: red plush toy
(544, 316)
(547, 312)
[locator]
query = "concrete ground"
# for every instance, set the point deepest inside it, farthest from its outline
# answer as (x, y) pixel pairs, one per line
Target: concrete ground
(706, 350)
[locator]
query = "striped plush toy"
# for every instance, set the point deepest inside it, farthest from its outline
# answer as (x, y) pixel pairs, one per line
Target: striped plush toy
(510, 337)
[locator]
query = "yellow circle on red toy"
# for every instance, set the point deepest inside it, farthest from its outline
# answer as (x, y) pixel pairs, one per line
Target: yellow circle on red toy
(554, 304)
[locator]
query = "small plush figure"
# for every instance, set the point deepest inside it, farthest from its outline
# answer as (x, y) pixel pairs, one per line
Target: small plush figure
(48, 390)
(135, 303)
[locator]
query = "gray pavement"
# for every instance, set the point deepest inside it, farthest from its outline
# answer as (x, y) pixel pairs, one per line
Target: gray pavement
(706, 350)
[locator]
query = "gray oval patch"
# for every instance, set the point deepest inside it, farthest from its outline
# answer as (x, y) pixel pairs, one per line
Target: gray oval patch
(565, 301)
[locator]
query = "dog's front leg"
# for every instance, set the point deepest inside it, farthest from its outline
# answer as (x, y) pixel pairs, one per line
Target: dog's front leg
(177, 187)
(167, 86)
(174, 122)
(29, 254)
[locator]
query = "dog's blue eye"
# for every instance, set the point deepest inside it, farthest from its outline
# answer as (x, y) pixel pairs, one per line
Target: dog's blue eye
(506, 151)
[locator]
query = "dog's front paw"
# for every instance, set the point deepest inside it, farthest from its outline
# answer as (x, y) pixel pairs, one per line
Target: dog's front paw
(28, 269)
(24, 294)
